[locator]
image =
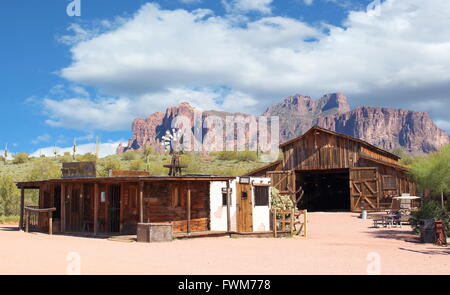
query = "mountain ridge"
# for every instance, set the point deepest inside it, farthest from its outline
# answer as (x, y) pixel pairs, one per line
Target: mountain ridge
(384, 127)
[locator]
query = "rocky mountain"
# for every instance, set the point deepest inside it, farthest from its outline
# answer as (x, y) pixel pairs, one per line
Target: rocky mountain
(384, 127)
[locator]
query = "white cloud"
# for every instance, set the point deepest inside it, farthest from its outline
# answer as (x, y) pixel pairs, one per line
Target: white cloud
(41, 138)
(191, 1)
(106, 149)
(117, 114)
(308, 2)
(243, 6)
(398, 58)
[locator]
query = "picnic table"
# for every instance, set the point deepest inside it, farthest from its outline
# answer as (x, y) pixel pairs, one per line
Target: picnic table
(387, 220)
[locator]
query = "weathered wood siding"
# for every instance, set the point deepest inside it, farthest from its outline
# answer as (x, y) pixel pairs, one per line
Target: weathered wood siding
(159, 204)
(319, 150)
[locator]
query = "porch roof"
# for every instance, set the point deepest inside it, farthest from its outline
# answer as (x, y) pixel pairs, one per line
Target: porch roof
(120, 179)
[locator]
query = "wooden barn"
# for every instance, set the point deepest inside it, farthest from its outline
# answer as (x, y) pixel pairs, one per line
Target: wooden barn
(324, 171)
(116, 204)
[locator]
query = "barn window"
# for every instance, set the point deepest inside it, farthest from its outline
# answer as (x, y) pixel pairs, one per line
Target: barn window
(389, 182)
(261, 196)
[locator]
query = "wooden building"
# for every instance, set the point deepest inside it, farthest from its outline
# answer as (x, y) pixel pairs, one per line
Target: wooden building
(117, 204)
(324, 170)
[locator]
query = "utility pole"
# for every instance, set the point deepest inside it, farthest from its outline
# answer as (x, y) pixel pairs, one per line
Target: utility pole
(74, 148)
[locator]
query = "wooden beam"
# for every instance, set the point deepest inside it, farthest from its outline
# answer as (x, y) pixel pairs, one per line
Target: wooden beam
(141, 202)
(63, 208)
(228, 207)
(50, 223)
(95, 208)
(188, 210)
(22, 205)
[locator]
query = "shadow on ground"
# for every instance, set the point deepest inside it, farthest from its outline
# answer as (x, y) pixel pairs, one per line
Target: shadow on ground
(430, 251)
(9, 228)
(395, 234)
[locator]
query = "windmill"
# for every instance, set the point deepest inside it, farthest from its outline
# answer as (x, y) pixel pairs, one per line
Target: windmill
(173, 144)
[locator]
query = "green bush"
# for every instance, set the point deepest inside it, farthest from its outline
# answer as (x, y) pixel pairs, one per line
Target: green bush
(9, 196)
(249, 156)
(430, 210)
(21, 158)
(107, 164)
(137, 165)
(42, 169)
(88, 157)
(282, 202)
(131, 155)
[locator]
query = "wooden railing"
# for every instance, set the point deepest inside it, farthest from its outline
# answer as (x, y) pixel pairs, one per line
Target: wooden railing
(32, 219)
(293, 222)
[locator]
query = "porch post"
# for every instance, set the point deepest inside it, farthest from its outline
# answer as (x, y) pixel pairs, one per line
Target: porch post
(63, 208)
(188, 210)
(95, 208)
(228, 207)
(141, 202)
(22, 205)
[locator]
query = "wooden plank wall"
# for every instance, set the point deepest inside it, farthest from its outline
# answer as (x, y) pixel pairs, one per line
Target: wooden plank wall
(159, 207)
(320, 151)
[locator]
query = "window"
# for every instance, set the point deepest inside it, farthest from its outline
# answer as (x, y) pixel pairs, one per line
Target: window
(261, 196)
(389, 182)
(224, 197)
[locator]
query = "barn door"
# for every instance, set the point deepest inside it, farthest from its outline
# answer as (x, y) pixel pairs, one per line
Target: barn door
(114, 208)
(245, 208)
(364, 188)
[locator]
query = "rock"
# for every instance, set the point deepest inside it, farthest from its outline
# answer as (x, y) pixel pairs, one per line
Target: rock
(387, 128)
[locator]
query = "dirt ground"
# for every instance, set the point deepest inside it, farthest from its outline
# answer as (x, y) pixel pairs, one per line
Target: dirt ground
(338, 243)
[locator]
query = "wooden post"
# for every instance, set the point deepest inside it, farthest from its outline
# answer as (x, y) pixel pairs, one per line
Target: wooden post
(27, 216)
(283, 222)
(50, 223)
(306, 223)
(22, 205)
(274, 222)
(95, 208)
(188, 210)
(141, 202)
(63, 208)
(228, 207)
(292, 221)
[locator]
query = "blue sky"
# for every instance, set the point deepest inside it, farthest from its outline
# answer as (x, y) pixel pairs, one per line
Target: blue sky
(81, 77)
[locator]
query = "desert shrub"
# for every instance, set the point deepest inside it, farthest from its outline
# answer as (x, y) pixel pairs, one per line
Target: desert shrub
(42, 169)
(88, 157)
(131, 155)
(66, 158)
(430, 210)
(9, 196)
(237, 156)
(107, 164)
(137, 165)
(21, 158)
(282, 202)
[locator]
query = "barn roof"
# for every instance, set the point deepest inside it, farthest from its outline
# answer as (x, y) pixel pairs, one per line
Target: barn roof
(360, 141)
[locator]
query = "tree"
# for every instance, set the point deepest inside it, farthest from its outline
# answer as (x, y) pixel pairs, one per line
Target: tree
(21, 158)
(433, 171)
(9, 196)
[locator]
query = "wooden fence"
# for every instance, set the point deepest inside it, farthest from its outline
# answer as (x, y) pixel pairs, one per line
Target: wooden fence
(32, 218)
(293, 222)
